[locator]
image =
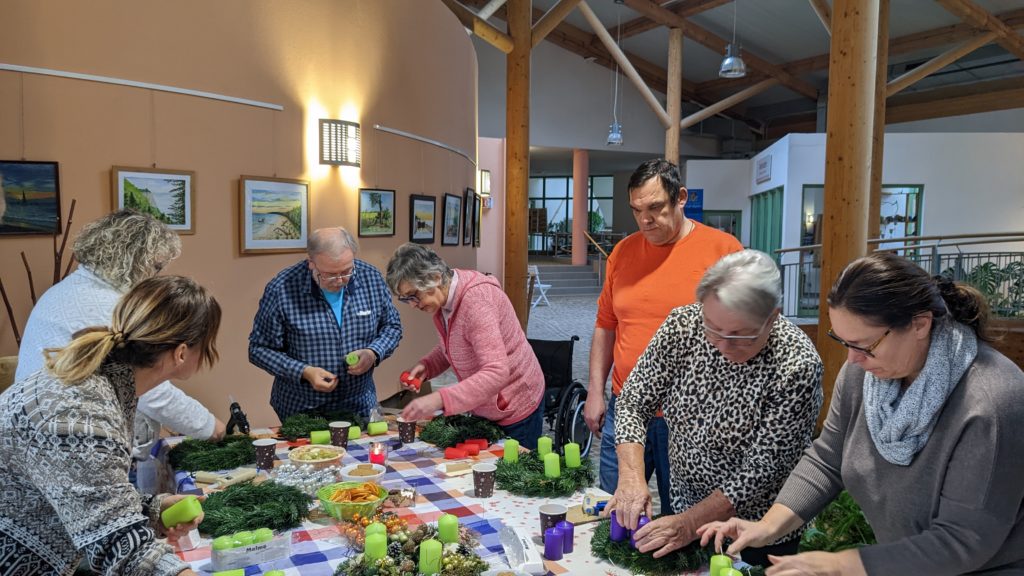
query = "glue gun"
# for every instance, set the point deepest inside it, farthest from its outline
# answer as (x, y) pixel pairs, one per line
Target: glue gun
(238, 419)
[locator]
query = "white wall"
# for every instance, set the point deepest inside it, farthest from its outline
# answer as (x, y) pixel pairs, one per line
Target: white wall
(726, 185)
(490, 256)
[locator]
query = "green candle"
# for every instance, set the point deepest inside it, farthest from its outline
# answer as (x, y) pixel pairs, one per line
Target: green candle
(552, 469)
(731, 572)
(352, 359)
(182, 511)
(320, 437)
(379, 427)
(376, 546)
(354, 432)
(376, 528)
(720, 563)
(243, 538)
(448, 528)
(511, 450)
(543, 446)
(262, 535)
(274, 573)
(430, 557)
(572, 455)
(223, 543)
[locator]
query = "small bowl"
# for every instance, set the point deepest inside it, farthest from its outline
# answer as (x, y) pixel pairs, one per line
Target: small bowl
(348, 476)
(299, 456)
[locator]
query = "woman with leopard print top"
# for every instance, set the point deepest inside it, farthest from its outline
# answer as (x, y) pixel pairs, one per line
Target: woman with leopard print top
(66, 439)
(740, 388)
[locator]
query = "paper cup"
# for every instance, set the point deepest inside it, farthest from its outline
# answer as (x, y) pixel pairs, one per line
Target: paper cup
(406, 431)
(483, 479)
(265, 448)
(551, 515)
(339, 433)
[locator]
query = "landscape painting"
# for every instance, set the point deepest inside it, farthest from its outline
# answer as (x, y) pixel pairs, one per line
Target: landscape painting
(29, 198)
(167, 195)
(452, 220)
(376, 212)
(274, 214)
(421, 219)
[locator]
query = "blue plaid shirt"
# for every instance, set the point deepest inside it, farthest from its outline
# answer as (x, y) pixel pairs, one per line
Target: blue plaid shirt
(295, 327)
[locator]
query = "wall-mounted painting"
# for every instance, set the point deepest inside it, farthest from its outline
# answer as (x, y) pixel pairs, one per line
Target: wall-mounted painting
(477, 217)
(29, 198)
(452, 220)
(274, 214)
(376, 212)
(168, 195)
(467, 219)
(421, 219)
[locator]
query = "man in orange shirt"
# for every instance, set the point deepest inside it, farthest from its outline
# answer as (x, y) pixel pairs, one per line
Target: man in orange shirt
(648, 275)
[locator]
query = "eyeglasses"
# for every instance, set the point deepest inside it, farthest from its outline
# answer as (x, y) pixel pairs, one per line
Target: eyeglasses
(325, 278)
(414, 298)
(867, 351)
(742, 341)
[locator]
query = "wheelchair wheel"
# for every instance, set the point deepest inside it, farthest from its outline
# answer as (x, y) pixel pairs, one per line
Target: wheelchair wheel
(570, 425)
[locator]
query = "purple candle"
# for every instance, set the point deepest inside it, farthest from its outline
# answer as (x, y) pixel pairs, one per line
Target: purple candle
(619, 532)
(568, 532)
(553, 544)
(640, 524)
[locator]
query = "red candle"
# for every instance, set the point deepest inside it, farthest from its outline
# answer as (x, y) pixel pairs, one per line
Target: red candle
(378, 453)
(454, 453)
(472, 449)
(482, 443)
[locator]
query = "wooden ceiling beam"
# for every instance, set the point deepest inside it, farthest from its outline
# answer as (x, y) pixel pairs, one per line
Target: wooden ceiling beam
(685, 9)
(970, 12)
(824, 13)
(480, 27)
(908, 78)
(551, 19)
(725, 104)
(673, 20)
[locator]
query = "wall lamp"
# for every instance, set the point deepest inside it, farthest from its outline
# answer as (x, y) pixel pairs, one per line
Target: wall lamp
(339, 142)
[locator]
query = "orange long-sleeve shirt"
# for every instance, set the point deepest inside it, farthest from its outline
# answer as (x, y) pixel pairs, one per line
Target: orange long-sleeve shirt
(645, 282)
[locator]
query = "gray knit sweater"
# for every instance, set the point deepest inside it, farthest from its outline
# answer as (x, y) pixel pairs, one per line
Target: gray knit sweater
(959, 506)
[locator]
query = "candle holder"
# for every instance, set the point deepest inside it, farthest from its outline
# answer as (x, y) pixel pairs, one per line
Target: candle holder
(379, 453)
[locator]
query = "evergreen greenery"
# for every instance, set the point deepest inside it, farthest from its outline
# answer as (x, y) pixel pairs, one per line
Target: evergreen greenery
(300, 425)
(840, 526)
(447, 431)
(249, 506)
(526, 477)
(231, 452)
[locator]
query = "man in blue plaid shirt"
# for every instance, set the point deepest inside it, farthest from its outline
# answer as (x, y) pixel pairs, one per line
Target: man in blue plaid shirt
(312, 315)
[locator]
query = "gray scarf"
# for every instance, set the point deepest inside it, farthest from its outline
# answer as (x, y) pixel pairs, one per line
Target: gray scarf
(900, 424)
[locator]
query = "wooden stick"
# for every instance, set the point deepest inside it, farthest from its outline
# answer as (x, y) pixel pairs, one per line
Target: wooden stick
(31, 284)
(10, 313)
(59, 256)
(67, 270)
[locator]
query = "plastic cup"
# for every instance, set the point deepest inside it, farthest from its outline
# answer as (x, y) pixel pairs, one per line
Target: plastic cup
(339, 433)
(265, 448)
(483, 479)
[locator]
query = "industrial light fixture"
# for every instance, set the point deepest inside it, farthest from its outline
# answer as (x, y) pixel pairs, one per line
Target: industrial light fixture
(733, 65)
(615, 130)
(339, 142)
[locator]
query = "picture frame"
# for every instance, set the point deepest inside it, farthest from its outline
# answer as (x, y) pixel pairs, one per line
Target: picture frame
(467, 219)
(421, 218)
(29, 198)
(168, 195)
(477, 217)
(376, 212)
(452, 220)
(273, 215)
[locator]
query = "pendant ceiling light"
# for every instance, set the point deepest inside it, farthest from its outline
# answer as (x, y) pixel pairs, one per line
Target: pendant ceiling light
(615, 130)
(733, 65)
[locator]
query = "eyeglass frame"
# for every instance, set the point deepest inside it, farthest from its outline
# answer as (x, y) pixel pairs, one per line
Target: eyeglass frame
(414, 299)
(744, 341)
(865, 350)
(324, 278)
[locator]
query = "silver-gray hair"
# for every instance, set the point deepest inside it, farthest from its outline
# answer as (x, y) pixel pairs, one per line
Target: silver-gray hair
(747, 282)
(417, 265)
(331, 241)
(126, 247)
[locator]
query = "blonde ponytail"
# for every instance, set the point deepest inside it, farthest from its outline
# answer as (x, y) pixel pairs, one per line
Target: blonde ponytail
(83, 356)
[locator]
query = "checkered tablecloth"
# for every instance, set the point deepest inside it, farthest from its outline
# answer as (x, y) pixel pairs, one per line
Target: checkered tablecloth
(318, 547)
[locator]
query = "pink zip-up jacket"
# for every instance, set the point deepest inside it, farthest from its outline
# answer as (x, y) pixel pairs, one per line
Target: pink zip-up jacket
(499, 376)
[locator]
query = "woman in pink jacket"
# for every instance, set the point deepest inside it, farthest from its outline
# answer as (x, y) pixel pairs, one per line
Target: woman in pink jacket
(479, 338)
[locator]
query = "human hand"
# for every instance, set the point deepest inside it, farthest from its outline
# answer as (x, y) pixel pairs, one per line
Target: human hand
(367, 358)
(413, 378)
(664, 535)
(845, 563)
(321, 380)
(743, 533)
(423, 408)
(187, 572)
(632, 500)
(593, 412)
(219, 429)
(179, 530)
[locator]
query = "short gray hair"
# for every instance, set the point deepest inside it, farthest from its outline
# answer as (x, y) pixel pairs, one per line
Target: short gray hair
(417, 265)
(126, 247)
(332, 241)
(747, 282)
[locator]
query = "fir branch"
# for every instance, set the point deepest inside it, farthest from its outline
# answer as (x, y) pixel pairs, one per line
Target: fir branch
(840, 526)
(249, 506)
(231, 452)
(526, 477)
(300, 425)
(447, 431)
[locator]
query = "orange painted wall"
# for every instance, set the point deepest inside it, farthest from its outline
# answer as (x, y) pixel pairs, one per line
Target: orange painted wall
(405, 64)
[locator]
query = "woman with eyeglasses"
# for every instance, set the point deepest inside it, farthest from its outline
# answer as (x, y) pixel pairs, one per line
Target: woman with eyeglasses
(923, 431)
(479, 338)
(740, 388)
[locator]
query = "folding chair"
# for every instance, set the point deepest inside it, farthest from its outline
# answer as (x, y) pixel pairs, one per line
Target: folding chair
(542, 288)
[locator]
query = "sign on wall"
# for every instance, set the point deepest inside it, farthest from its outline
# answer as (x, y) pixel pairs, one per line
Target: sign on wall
(694, 208)
(763, 169)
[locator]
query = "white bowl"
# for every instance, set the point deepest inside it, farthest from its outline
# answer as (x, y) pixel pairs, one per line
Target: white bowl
(347, 476)
(298, 456)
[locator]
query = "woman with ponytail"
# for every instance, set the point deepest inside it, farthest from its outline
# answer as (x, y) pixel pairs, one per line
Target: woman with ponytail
(66, 438)
(924, 431)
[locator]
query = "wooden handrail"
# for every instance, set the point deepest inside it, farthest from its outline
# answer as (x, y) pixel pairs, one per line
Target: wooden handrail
(596, 245)
(997, 237)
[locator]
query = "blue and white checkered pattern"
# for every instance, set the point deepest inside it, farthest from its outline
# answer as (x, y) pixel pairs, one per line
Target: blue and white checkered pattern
(294, 328)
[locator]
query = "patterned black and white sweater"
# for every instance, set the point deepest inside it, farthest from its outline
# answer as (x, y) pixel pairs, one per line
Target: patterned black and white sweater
(65, 452)
(740, 428)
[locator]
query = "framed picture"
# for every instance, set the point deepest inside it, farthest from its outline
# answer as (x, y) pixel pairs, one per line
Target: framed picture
(452, 220)
(421, 219)
(477, 216)
(168, 195)
(376, 212)
(467, 219)
(274, 214)
(29, 198)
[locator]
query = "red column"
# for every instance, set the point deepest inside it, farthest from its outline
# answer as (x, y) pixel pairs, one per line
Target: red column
(580, 214)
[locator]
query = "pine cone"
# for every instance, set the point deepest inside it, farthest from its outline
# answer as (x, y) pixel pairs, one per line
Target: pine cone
(464, 550)
(395, 549)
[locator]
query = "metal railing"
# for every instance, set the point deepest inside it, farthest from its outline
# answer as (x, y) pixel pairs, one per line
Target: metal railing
(999, 275)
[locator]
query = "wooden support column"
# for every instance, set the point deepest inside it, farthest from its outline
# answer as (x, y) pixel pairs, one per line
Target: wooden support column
(674, 95)
(580, 213)
(878, 138)
(848, 151)
(517, 153)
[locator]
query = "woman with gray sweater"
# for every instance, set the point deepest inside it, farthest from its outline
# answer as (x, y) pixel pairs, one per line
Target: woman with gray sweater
(923, 431)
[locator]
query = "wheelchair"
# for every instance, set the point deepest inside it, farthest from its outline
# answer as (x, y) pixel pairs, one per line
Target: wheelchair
(564, 397)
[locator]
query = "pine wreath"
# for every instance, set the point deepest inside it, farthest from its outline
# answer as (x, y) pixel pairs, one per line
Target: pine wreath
(457, 558)
(447, 431)
(249, 506)
(231, 452)
(686, 559)
(526, 477)
(300, 425)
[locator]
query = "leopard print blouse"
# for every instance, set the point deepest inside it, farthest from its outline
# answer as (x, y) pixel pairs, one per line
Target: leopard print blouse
(740, 428)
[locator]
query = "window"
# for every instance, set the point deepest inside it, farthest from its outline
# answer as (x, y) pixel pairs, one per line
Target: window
(554, 195)
(766, 221)
(728, 221)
